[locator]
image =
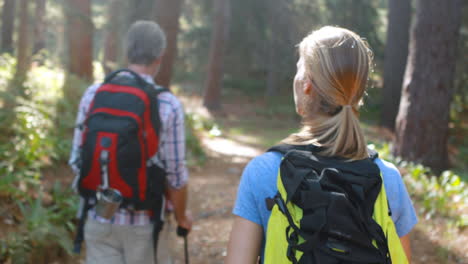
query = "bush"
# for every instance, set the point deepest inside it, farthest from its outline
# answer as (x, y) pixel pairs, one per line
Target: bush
(42, 227)
(44, 231)
(194, 124)
(445, 195)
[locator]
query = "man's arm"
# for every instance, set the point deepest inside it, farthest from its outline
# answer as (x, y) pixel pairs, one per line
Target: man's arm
(178, 197)
(173, 155)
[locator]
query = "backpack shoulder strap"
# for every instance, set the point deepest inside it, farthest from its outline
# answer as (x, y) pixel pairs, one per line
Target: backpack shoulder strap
(113, 74)
(285, 148)
(281, 148)
(161, 89)
(372, 154)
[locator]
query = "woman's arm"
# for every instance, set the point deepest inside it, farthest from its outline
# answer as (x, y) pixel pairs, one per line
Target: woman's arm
(405, 242)
(245, 242)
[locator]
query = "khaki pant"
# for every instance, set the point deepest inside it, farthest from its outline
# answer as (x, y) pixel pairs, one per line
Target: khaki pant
(124, 244)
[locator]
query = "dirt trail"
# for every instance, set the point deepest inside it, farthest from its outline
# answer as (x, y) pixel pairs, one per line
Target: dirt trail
(213, 189)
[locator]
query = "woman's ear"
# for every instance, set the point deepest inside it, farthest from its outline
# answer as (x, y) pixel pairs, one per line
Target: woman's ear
(308, 87)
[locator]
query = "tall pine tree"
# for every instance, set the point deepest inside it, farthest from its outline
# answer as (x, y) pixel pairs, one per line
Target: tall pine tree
(422, 121)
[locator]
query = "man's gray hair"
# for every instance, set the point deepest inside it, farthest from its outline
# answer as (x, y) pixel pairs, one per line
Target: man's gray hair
(146, 42)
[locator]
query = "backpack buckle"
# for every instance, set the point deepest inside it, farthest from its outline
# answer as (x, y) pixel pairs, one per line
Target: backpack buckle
(270, 202)
(104, 160)
(104, 157)
(280, 203)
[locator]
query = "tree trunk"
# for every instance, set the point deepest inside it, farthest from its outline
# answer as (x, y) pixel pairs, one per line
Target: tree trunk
(272, 68)
(112, 40)
(396, 54)
(142, 10)
(167, 14)
(8, 24)
(15, 86)
(274, 16)
(39, 26)
(219, 36)
(80, 39)
(422, 121)
(24, 49)
(279, 42)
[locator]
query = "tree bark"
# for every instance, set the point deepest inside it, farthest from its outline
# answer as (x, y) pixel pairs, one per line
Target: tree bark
(142, 10)
(39, 26)
(211, 99)
(80, 39)
(112, 40)
(279, 41)
(15, 86)
(167, 13)
(8, 24)
(422, 121)
(396, 54)
(23, 46)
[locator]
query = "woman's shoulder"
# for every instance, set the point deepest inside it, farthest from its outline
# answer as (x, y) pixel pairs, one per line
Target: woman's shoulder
(263, 165)
(270, 158)
(403, 213)
(389, 171)
(257, 183)
(392, 180)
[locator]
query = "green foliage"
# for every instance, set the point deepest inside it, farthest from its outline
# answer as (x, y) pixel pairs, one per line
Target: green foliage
(46, 225)
(459, 105)
(31, 145)
(195, 124)
(444, 196)
(263, 42)
(7, 63)
(249, 87)
(42, 229)
(194, 41)
(361, 16)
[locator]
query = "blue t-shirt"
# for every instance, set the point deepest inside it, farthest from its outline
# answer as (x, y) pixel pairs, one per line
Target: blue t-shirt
(259, 182)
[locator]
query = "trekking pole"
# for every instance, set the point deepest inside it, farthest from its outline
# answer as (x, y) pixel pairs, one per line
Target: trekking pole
(182, 232)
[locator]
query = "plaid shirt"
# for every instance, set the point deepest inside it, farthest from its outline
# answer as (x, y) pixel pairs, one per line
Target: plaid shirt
(170, 156)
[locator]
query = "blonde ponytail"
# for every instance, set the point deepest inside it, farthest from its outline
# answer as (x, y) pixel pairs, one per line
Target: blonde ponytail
(337, 63)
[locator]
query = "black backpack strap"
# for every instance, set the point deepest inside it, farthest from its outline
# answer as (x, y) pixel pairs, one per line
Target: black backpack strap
(113, 74)
(79, 237)
(281, 148)
(160, 89)
(285, 148)
(372, 154)
(157, 227)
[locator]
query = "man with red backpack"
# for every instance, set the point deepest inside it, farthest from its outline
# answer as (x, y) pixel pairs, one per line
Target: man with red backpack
(128, 151)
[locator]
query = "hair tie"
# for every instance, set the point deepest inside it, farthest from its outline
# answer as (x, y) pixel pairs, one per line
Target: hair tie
(343, 107)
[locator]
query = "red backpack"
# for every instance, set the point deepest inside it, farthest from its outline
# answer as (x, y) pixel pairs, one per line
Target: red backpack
(121, 134)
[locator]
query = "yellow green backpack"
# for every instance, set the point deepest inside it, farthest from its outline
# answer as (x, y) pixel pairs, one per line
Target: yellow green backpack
(329, 211)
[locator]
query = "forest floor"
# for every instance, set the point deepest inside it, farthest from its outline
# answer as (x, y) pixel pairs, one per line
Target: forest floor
(247, 129)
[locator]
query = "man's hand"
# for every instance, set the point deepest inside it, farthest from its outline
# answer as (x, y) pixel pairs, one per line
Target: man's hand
(186, 221)
(178, 197)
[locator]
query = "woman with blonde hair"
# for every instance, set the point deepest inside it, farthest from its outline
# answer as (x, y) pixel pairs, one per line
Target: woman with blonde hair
(329, 85)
